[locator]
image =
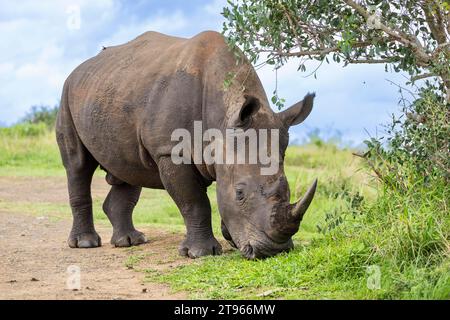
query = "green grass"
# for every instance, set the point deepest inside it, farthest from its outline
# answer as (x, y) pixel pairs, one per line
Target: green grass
(407, 245)
(29, 150)
(353, 228)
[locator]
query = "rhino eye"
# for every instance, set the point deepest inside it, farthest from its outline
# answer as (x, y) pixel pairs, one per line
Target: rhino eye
(239, 194)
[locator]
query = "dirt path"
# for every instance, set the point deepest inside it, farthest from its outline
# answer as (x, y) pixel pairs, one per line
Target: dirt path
(34, 255)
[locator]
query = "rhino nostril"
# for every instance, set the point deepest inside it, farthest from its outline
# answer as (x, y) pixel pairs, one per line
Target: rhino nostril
(247, 251)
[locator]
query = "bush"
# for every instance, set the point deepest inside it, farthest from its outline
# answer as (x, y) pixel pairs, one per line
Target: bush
(417, 143)
(41, 114)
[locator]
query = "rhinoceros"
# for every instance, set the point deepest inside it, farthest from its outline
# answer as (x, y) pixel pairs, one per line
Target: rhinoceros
(118, 112)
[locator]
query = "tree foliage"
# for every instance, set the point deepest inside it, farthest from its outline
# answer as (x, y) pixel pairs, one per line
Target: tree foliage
(41, 114)
(418, 140)
(406, 35)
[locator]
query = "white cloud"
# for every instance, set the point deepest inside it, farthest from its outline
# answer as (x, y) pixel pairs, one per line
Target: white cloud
(36, 51)
(6, 67)
(215, 7)
(161, 22)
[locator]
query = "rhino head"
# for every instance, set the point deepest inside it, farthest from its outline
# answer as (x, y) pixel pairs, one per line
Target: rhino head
(257, 216)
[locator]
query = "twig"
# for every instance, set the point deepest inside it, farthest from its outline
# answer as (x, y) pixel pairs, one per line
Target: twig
(422, 76)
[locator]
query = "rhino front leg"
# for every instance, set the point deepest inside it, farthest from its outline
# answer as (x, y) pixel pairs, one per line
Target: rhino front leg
(119, 206)
(186, 189)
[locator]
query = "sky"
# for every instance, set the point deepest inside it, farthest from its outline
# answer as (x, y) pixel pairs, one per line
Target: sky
(43, 41)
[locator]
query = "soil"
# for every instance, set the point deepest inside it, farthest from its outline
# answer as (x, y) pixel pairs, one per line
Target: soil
(35, 261)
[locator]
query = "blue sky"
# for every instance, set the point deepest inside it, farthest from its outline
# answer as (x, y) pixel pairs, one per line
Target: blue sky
(43, 41)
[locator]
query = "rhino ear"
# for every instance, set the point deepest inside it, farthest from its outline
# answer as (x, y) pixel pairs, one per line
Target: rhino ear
(243, 116)
(298, 112)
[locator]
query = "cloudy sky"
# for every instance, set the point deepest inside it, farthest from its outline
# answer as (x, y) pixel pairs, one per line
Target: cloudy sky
(43, 41)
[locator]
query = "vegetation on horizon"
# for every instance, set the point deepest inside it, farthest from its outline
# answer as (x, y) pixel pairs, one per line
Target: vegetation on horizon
(41, 115)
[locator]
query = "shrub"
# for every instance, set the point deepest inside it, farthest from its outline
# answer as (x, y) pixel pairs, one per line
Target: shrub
(417, 143)
(41, 114)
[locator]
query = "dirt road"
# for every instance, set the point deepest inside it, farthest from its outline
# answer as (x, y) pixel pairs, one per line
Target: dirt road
(34, 256)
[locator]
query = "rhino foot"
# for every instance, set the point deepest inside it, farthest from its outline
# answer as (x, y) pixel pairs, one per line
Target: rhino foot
(85, 240)
(128, 239)
(196, 249)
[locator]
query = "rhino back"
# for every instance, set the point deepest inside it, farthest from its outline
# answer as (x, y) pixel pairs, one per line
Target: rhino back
(126, 101)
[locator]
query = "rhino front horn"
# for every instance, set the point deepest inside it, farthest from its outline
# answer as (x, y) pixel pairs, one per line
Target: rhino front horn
(299, 208)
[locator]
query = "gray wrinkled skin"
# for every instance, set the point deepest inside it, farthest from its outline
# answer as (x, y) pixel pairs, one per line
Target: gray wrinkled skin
(118, 110)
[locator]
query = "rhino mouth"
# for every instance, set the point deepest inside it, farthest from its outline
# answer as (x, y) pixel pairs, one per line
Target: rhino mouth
(259, 247)
(260, 250)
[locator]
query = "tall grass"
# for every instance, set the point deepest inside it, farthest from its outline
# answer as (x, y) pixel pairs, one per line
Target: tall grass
(29, 149)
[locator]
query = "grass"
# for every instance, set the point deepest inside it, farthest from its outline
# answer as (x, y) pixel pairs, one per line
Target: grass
(408, 248)
(29, 150)
(359, 240)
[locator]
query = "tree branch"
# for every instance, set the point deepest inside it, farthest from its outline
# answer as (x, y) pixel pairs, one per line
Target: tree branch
(370, 61)
(423, 76)
(435, 25)
(406, 39)
(308, 52)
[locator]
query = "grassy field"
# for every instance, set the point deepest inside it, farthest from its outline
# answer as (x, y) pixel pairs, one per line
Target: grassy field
(358, 240)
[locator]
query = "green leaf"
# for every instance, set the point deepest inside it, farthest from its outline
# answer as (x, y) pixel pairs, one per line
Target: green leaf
(274, 99)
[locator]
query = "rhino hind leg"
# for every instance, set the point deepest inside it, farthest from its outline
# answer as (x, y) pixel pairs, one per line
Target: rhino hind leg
(80, 166)
(119, 206)
(83, 234)
(186, 189)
